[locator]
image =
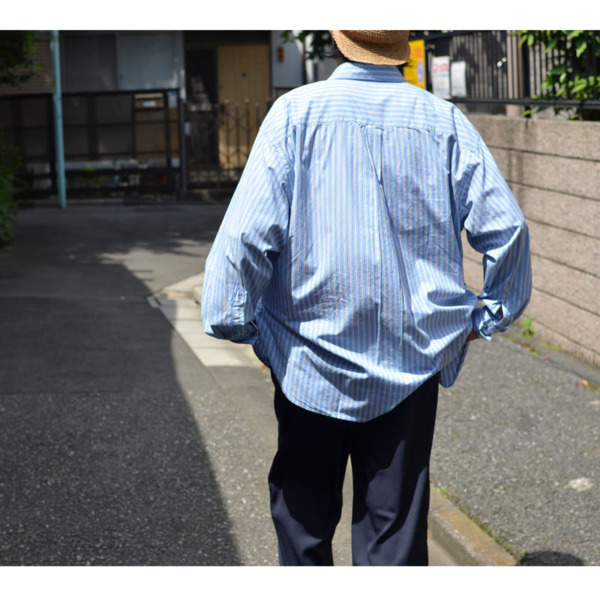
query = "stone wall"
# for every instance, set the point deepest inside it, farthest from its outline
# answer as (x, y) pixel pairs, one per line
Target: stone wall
(553, 169)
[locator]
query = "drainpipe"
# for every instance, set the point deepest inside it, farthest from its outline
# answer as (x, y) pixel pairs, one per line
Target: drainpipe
(58, 122)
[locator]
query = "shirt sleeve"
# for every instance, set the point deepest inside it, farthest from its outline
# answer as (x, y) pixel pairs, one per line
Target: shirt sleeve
(497, 229)
(252, 234)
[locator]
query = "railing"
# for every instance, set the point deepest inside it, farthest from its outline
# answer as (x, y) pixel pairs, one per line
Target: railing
(559, 71)
(219, 140)
(149, 141)
(130, 142)
(114, 141)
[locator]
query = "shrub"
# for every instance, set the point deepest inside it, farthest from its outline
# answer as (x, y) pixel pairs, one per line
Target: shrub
(9, 163)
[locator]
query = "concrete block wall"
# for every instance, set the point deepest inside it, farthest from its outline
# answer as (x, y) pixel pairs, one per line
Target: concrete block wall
(553, 169)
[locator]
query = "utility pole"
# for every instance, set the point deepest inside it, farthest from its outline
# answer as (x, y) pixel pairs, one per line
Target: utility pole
(58, 122)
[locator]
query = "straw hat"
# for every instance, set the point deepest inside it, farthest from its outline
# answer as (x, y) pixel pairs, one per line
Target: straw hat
(373, 46)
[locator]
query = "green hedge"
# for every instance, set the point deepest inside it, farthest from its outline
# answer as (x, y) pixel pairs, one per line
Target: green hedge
(9, 163)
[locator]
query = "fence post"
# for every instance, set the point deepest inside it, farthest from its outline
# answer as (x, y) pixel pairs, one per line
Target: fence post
(51, 144)
(168, 140)
(182, 144)
(238, 151)
(526, 75)
(591, 64)
(514, 73)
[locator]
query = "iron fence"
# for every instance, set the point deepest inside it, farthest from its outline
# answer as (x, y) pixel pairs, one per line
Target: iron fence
(130, 142)
(113, 141)
(218, 141)
(150, 141)
(557, 70)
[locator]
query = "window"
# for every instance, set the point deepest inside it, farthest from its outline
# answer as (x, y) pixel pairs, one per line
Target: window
(90, 62)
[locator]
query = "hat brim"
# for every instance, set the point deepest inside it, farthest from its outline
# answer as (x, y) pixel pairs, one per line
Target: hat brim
(375, 54)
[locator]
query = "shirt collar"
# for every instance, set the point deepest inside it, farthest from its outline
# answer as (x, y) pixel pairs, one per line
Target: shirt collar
(367, 72)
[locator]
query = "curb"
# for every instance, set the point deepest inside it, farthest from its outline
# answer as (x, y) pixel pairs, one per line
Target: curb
(461, 538)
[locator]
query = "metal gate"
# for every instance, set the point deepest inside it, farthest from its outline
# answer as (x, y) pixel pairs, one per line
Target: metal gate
(219, 140)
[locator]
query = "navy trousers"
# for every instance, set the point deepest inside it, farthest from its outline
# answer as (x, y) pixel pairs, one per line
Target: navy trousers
(390, 471)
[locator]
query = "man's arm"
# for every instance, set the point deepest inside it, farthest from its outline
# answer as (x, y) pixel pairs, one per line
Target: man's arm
(474, 335)
(254, 230)
(497, 229)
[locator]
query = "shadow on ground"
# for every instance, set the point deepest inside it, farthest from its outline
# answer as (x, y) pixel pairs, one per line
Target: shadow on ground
(549, 558)
(102, 459)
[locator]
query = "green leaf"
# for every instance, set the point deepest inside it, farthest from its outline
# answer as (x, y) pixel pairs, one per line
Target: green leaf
(551, 46)
(557, 70)
(579, 86)
(527, 328)
(17, 57)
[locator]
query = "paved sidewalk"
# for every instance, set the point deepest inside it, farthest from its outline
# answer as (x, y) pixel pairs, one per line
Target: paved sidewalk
(130, 438)
(180, 304)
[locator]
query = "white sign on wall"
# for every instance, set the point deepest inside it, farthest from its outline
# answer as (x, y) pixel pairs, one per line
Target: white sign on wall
(458, 79)
(440, 76)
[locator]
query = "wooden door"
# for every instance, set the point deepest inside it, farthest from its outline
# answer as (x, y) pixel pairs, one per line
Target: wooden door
(244, 82)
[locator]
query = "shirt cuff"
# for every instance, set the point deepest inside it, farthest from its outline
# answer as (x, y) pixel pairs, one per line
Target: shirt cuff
(487, 321)
(240, 334)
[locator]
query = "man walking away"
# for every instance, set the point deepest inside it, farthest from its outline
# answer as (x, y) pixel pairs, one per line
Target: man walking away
(340, 260)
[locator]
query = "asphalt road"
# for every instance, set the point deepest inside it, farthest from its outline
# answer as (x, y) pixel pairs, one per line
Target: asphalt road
(123, 444)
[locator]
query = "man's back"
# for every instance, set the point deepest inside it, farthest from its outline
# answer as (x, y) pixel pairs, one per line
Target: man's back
(370, 181)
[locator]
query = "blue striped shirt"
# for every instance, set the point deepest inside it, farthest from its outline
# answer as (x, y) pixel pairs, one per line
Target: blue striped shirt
(340, 258)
